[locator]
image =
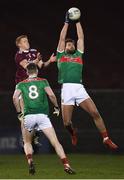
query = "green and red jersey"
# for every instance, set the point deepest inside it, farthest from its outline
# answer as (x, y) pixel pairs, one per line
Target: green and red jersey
(34, 95)
(70, 67)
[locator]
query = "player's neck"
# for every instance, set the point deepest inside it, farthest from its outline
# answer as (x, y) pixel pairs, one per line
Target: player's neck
(23, 50)
(32, 76)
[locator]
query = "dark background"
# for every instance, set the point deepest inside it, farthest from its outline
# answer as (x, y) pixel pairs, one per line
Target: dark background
(103, 24)
(42, 21)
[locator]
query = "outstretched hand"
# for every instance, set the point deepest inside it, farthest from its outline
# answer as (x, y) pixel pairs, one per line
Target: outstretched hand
(39, 58)
(52, 58)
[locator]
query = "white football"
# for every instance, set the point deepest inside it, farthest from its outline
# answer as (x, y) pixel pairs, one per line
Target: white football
(74, 13)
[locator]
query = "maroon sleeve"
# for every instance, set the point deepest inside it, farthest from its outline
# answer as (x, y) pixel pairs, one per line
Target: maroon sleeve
(19, 57)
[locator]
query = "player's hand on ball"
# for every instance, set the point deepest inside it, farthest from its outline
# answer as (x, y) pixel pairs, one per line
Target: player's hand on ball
(56, 111)
(74, 14)
(67, 17)
(52, 58)
(20, 116)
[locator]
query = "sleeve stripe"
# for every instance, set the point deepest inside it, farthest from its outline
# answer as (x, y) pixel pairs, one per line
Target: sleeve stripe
(60, 51)
(80, 51)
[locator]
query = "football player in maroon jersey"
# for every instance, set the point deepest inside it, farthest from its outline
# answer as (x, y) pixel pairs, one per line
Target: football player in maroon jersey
(23, 57)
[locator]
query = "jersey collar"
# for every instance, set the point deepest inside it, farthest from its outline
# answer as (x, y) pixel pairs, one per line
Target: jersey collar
(32, 76)
(25, 51)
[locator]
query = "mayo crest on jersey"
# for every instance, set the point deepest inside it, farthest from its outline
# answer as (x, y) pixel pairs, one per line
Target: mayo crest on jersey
(34, 95)
(70, 67)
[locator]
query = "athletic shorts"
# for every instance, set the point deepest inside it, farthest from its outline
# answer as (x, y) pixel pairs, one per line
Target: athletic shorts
(37, 122)
(73, 93)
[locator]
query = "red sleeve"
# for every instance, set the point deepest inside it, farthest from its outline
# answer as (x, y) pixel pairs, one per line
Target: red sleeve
(19, 58)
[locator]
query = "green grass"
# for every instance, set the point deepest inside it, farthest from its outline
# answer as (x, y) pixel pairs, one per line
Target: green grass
(87, 166)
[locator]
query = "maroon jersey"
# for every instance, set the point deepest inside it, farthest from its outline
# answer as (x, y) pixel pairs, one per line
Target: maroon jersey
(29, 55)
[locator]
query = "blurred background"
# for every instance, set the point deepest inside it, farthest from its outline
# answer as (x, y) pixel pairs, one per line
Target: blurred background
(41, 21)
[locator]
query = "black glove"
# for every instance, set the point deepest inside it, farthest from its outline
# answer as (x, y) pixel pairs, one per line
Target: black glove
(67, 20)
(56, 111)
(20, 116)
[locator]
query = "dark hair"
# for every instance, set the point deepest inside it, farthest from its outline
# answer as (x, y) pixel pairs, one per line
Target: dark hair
(18, 39)
(32, 68)
(69, 40)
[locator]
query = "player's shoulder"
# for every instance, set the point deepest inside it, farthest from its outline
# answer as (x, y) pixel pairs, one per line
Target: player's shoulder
(18, 85)
(60, 52)
(41, 79)
(24, 81)
(34, 79)
(18, 53)
(21, 83)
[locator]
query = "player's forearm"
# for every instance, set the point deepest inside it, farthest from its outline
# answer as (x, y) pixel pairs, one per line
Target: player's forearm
(53, 99)
(24, 64)
(64, 31)
(16, 104)
(51, 60)
(40, 64)
(80, 32)
(36, 61)
(47, 63)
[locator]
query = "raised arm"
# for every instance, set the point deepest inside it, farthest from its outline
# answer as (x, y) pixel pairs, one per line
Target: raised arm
(80, 34)
(61, 44)
(48, 62)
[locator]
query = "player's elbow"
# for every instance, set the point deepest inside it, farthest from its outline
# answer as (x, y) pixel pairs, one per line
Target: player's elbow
(81, 39)
(14, 98)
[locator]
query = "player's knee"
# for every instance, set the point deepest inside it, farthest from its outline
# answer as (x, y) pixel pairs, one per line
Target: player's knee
(27, 144)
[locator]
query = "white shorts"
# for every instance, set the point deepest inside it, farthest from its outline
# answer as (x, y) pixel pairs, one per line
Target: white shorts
(37, 122)
(73, 93)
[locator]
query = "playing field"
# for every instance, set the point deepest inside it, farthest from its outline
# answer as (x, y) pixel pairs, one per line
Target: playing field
(49, 167)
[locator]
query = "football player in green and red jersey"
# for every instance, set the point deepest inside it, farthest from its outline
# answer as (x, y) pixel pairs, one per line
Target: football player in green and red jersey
(34, 92)
(70, 67)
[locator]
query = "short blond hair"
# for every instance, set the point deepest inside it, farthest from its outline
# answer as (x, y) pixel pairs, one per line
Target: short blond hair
(18, 39)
